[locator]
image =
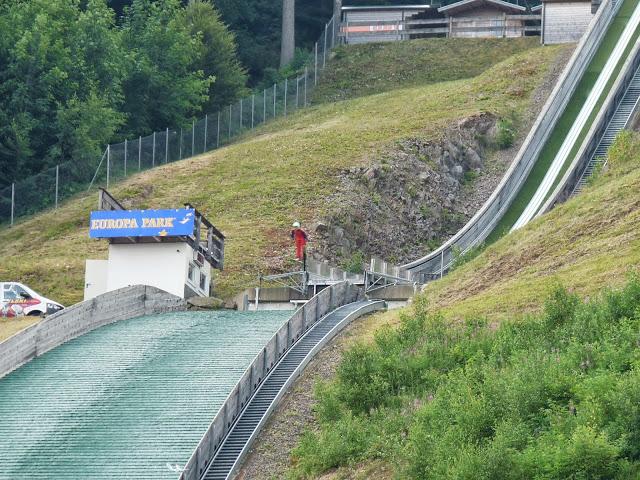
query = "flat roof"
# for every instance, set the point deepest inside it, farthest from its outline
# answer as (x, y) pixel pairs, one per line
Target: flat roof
(388, 7)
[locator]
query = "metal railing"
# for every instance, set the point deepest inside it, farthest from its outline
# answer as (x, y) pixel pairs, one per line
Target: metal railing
(50, 187)
(304, 318)
(505, 26)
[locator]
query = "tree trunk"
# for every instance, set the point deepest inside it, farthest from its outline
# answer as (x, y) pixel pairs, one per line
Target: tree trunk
(288, 32)
(337, 10)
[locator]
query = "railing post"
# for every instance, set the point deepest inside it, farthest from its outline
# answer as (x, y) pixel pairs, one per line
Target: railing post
(442, 263)
(166, 146)
(125, 157)
(153, 151)
(140, 153)
(206, 126)
(218, 132)
(193, 138)
(108, 164)
(13, 201)
(57, 183)
(286, 87)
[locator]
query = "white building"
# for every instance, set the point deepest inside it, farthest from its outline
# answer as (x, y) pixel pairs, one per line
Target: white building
(174, 250)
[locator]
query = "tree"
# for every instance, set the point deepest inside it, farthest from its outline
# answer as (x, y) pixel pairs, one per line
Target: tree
(217, 57)
(288, 40)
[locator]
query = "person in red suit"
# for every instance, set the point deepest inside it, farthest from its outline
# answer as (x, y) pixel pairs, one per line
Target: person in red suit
(300, 237)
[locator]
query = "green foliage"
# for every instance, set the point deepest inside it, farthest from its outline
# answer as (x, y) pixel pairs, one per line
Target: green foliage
(355, 263)
(460, 257)
(72, 80)
(554, 396)
(506, 133)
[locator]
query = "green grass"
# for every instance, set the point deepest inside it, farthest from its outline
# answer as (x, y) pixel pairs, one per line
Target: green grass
(360, 70)
(568, 117)
(254, 189)
(522, 363)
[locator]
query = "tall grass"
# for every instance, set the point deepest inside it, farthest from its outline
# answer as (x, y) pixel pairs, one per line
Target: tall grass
(551, 396)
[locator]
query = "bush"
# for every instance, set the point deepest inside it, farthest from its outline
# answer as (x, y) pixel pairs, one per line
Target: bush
(506, 133)
(552, 396)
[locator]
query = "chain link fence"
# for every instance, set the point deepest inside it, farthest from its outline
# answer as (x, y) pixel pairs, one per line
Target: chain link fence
(52, 186)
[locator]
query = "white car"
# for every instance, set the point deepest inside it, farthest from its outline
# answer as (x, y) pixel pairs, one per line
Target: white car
(17, 300)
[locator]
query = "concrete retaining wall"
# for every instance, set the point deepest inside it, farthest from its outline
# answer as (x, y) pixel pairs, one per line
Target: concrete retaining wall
(81, 318)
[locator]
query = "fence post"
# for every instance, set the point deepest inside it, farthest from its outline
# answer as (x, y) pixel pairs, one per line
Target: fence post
(297, 91)
(108, 163)
(275, 94)
(125, 157)
(241, 114)
(57, 183)
(253, 107)
(153, 151)
(206, 126)
(286, 87)
(306, 75)
(13, 201)
(264, 106)
(166, 146)
(218, 131)
(230, 119)
(140, 153)
(180, 153)
(193, 138)
(324, 52)
(315, 66)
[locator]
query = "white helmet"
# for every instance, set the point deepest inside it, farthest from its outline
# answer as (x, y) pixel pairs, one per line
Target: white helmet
(296, 224)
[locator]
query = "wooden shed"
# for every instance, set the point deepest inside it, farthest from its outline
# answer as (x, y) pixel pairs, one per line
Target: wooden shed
(565, 21)
(380, 23)
(485, 18)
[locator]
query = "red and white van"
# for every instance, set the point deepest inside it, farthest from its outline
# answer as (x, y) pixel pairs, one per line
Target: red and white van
(17, 300)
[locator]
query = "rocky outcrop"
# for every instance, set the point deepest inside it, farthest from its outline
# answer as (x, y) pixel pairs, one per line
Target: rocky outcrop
(419, 193)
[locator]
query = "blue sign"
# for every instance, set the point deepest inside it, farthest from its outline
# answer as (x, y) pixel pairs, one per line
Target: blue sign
(142, 223)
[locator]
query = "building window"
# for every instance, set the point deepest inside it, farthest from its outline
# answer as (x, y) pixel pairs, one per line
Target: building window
(203, 282)
(192, 273)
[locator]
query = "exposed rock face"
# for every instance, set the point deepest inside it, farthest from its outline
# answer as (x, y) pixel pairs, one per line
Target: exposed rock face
(418, 194)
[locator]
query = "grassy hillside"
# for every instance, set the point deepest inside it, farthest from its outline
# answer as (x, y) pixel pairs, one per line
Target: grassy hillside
(359, 70)
(254, 189)
(522, 363)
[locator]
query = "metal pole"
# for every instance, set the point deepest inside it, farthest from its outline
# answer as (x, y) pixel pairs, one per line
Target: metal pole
(218, 131)
(206, 126)
(125, 157)
(230, 119)
(315, 66)
(108, 163)
(57, 183)
(275, 94)
(333, 31)
(153, 151)
(297, 90)
(166, 146)
(180, 153)
(253, 108)
(286, 87)
(240, 114)
(441, 263)
(306, 75)
(139, 153)
(324, 52)
(13, 201)
(264, 106)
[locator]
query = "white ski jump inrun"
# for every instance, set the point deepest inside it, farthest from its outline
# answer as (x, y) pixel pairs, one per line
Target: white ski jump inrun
(561, 157)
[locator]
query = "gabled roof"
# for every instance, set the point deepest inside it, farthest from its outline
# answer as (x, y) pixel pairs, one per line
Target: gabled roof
(468, 4)
(387, 7)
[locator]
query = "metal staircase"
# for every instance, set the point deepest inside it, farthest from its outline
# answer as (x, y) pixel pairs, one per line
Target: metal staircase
(619, 120)
(225, 462)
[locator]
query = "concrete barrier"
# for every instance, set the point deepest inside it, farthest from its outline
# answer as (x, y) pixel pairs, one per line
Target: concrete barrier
(81, 318)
